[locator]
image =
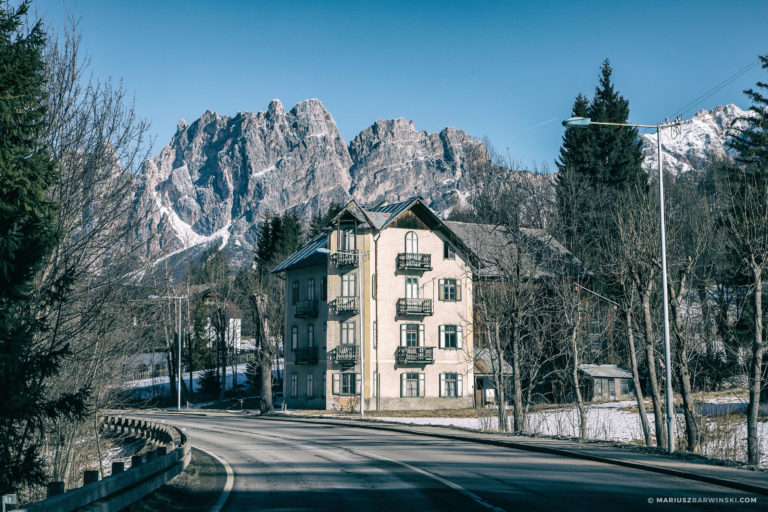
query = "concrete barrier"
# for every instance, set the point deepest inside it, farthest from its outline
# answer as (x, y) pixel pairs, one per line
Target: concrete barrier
(125, 487)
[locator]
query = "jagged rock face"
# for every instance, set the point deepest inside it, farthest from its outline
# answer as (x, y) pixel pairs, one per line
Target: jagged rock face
(393, 161)
(694, 143)
(220, 176)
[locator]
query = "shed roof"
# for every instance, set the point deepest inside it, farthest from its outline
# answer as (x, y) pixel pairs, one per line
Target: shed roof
(605, 370)
(483, 363)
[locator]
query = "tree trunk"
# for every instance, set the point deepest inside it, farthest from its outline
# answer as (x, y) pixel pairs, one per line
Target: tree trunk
(223, 350)
(691, 424)
(498, 371)
(658, 411)
(516, 379)
(755, 373)
(636, 379)
(579, 398)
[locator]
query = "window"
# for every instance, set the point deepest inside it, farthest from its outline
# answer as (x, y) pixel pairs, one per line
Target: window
(294, 385)
(294, 337)
(348, 332)
(348, 239)
(625, 387)
(411, 335)
(448, 252)
(449, 290)
(295, 293)
(451, 385)
(412, 287)
(411, 384)
(323, 288)
(310, 386)
(311, 289)
(411, 243)
(450, 336)
(349, 285)
(310, 335)
(346, 383)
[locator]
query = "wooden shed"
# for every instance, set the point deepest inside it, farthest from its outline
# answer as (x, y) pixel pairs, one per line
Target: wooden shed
(606, 382)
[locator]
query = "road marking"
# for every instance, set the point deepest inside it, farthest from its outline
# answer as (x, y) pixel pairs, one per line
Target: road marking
(447, 483)
(227, 485)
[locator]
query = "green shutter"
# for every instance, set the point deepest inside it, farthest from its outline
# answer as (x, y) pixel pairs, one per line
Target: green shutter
(421, 335)
(402, 385)
(421, 384)
(335, 384)
(459, 337)
(459, 384)
(458, 289)
(441, 336)
(442, 385)
(402, 335)
(441, 289)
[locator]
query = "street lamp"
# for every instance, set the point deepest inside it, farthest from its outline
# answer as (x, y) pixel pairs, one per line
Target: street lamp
(359, 255)
(583, 122)
(178, 333)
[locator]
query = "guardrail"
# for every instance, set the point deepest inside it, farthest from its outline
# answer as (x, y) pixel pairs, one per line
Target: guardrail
(124, 487)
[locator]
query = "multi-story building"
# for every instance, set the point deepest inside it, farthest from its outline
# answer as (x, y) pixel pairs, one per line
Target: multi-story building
(380, 307)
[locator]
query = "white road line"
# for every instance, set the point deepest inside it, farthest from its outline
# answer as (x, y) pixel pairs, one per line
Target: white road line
(448, 483)
(227, 486)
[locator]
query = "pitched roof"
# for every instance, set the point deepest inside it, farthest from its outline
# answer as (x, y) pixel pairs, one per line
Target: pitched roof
(483, 363)
(307, 256)
(605, 370)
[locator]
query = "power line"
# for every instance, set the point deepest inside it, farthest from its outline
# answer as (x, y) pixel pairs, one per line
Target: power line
(717, 87)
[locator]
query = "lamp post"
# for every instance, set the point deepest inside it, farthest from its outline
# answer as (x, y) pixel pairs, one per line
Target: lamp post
(583, 122)
(359, 255)
(178, 334)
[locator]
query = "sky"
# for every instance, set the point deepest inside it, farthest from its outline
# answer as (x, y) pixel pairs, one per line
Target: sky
(508, 71)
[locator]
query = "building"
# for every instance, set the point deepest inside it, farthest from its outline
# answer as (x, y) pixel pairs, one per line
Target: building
(380, 303)
(605, 382)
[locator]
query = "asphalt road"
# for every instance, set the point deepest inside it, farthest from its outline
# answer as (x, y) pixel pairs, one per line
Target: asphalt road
(283, 465)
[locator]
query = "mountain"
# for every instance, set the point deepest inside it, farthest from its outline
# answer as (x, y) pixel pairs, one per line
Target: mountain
(220, 176)
(698, 139)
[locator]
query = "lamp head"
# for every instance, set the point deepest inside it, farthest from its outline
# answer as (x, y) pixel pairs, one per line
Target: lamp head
(577, 122)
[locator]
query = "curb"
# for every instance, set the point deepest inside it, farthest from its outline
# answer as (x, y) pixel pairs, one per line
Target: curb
(222, 499)
(538, 449)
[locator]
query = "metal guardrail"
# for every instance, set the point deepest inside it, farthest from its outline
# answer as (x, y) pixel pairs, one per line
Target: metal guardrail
(147, 472)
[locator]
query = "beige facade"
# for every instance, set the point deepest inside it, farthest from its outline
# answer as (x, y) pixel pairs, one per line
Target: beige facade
(396, 278)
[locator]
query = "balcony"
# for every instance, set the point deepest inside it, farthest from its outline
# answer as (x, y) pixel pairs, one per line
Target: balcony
(421, 307)
(415, 355)
(346, 354)
(344, 259)
(345, 305)
(414, 261)
(306, 309)
(306, 355)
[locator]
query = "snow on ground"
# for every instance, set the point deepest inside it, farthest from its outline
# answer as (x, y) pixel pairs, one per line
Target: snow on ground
(724, 436)
(159, 387)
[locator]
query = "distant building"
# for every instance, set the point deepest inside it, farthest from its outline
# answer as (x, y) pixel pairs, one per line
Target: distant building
(605, 382)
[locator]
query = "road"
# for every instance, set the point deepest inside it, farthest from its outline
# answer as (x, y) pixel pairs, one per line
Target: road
(284, 465)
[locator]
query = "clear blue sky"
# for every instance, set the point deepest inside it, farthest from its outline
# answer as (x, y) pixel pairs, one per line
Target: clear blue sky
(506, 70)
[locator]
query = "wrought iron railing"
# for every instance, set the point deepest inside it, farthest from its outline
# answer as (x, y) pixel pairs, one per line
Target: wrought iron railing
(346, 354)
(414, 261)
(414, 307)
(306, 309)
(306, 355)
(423, 355)
(344, 259)
(345, 305)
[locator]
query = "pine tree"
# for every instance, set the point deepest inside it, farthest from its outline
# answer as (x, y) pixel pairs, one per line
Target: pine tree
(321, 219)
(28, 235)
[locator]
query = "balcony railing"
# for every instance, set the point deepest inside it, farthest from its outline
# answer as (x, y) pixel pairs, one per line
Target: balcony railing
(344, 259)
(344, 305)
(414, 307)
(306, 309)
(414, 261)
(346, 354)
(415, 355)
(306, 355)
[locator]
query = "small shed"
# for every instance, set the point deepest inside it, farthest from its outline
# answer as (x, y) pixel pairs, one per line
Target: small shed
(606, 382)
(485, 386)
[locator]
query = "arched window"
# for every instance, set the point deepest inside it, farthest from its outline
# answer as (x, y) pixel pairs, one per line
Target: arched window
(411, 243)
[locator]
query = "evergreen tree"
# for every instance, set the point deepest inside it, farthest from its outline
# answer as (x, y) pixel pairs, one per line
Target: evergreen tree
(321, 219)
(28, 235)
(279, 237)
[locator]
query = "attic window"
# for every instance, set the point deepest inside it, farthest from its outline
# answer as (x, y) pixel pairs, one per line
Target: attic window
(448, 252)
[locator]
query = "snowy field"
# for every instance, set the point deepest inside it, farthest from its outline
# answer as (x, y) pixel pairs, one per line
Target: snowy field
(158, 387)
(725, 436)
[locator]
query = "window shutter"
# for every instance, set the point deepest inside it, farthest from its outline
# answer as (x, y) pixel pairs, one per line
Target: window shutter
(441, 289)
(421, 335)
(459, 337)
(442, 384)
(458, 289)
(441, 336)
(402, 335)
(335, 385)
(421, 384)
(358, 382)
(402, 385)
(459, 384)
